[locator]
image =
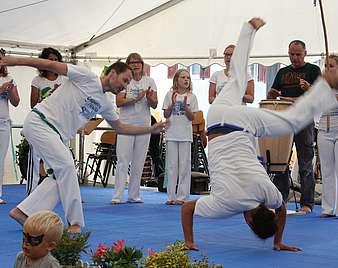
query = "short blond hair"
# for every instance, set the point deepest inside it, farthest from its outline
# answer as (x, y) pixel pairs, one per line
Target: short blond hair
(45, 223)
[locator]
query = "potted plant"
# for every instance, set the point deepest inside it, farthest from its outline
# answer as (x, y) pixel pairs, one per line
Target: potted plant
(117, 256)
(68, 250)
(22, 150)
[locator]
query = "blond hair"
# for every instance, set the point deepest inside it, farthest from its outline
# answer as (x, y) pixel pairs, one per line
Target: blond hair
(175, 80)
(3, 69)
(45, 223)
(229, 46)
(334, 57)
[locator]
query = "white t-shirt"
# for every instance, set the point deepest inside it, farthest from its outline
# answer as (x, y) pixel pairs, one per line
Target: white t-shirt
(220, 79)
(137, 113)
(46, 87)
(76, 101)
(180, 127)
(238, 181)
(4, 110)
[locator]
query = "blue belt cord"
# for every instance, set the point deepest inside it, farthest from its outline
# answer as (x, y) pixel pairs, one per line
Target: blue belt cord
(13, 152)
(223, 127)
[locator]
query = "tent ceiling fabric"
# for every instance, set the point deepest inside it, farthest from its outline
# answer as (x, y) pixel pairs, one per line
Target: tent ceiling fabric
(183, 33)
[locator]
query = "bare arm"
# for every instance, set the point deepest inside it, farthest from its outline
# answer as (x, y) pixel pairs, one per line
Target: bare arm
(250, 92)
(212, 92)
(122, 100)
(34, 96)
(187, 220)
(42, 64)
(281, 217)
(128, 129)
(14, 96)
(189, 114)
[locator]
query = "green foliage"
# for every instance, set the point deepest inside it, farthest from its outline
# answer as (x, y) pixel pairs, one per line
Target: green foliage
(69, 249)
(22, 150)
(175, 256)
(118, 256)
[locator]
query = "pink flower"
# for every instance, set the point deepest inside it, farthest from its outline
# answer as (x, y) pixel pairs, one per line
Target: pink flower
(150, 252)
(100, 251)
(119, 245)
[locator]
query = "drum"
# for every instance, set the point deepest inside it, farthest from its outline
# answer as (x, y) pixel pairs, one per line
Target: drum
(276, 151)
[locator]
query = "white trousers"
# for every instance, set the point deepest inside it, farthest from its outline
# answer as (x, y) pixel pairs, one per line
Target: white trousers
(328, 154)
(178, 168)
(4, 142)
(130, 149)
(49, 147)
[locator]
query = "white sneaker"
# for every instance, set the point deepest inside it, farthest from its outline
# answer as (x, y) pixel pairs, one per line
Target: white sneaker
(2, 202)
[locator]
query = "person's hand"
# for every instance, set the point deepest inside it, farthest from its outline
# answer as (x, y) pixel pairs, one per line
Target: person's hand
(7, 86)
(281, 246)
(173, 98)
(257, 22)
(149, 93)
(331, 77)
(273, 94)
(158, 127)
(305, 85)
(141, 95)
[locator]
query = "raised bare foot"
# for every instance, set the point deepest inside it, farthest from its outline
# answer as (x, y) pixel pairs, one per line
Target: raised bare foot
(18, 215)
(75, 229)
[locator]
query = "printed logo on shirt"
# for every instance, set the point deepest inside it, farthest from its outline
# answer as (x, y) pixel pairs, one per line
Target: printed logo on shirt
(47, 91)
(90, 108)
(4, 95)
(132, 92)
(178, 108)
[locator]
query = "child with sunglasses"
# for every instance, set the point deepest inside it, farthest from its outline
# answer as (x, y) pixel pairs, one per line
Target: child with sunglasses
(41, 233)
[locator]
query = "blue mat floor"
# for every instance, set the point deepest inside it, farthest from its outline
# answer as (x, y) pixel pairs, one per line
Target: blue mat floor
(153, 225)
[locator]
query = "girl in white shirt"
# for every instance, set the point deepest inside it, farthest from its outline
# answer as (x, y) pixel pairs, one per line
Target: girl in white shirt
(8, 92)
(179, 107)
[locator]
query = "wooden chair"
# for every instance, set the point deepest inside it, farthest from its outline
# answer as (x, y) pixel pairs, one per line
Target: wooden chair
(105, 151)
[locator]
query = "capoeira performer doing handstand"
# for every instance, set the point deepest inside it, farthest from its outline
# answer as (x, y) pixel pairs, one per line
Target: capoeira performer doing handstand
(239, 183)
(53, 122)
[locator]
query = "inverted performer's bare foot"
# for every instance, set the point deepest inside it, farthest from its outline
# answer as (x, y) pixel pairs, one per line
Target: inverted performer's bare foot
(18, 215)
(75, 229)
(191, 246)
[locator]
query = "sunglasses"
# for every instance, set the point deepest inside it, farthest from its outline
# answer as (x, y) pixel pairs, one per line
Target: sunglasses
(126, 81)
(32, 240)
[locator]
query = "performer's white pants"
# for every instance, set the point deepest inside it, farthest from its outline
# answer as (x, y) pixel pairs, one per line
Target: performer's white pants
(48, 145)
(130, 149)
(4, 142)
(178, 167)
(328, 154)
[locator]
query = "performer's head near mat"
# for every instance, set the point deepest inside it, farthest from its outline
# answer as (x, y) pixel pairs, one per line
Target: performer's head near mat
(117, 77)
(262, 221)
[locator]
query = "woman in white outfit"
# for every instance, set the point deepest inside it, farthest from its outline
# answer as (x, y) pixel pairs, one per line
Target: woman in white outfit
(220, 78)
(239, 183)
(179, 106)
(53, 122)
(42, 86)
(8, 92)
(328, 154)
(134, 104)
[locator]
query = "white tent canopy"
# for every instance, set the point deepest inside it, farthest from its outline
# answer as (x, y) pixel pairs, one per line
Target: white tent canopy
(177, 31)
